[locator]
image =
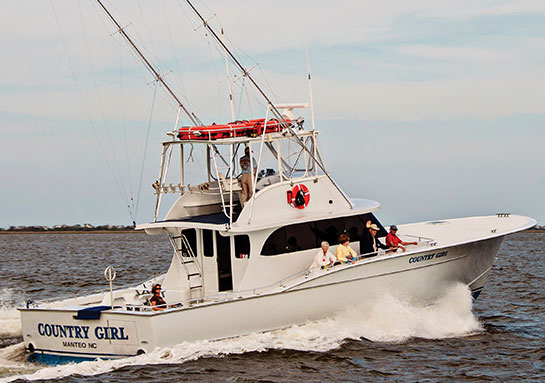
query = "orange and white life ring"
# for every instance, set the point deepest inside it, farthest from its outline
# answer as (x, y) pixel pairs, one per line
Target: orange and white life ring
(299, 196)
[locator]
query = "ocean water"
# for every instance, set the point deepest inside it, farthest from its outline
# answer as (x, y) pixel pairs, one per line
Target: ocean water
(499, 338)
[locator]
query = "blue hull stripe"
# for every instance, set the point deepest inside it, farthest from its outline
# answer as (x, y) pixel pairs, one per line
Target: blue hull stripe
(84, 354)
(475, 293)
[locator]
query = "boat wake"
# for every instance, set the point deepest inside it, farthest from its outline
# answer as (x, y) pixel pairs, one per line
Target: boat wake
(10, 321)
(388, 319)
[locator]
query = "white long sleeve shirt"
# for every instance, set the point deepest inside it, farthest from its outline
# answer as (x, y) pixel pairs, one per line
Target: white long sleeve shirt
(321, 259)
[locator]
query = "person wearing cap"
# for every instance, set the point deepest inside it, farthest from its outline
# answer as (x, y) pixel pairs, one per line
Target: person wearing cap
(323, 258)
(344, 253)
(246, 178)
(394, 242)
(370, 244)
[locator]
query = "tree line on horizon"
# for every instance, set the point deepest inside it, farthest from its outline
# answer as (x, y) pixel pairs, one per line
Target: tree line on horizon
(77, 227)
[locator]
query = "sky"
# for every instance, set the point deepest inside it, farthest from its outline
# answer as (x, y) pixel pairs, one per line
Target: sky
(434, 109)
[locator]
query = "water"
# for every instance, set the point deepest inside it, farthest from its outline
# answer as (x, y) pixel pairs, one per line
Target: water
(500, 338)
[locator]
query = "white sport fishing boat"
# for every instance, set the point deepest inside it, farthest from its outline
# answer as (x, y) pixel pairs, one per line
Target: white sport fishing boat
(243, 267)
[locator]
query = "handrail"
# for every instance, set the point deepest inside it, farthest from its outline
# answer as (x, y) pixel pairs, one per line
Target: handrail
(98, 291)
(247, 292)
(420, 238)
(283, 282)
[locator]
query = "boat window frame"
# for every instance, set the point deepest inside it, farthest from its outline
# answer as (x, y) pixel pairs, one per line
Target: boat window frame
(277, 242)
(236, 251)
(208, 243)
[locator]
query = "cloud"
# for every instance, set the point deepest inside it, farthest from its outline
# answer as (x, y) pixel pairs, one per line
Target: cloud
(398, 63)
(456, 53)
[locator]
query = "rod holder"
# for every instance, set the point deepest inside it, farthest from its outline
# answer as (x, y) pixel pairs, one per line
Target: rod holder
(109, 274)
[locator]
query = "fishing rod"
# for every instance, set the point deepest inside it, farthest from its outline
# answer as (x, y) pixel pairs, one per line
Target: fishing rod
(275, 111)
(158, 77)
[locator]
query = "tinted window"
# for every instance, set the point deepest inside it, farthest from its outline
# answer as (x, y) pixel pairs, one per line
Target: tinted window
(191, 236)
(242, 246)
(354, 227)
(276, 243)
(301, 237)
(329, 230)
(207, 243)
(309, 235)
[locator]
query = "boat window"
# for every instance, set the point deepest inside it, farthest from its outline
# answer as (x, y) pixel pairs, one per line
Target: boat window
(191, 236)
(276, 243)
(355, 225)
(329, 230)
(207, 243)
(242, 246)
(309, 235)
(301, 237)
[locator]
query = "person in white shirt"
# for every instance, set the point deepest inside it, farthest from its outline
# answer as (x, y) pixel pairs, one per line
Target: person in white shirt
(323, 258)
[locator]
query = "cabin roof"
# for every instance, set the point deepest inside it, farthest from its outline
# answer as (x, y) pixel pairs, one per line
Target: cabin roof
(220, 221)
(233, 140)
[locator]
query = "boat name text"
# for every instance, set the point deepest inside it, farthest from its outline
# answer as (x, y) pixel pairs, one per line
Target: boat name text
(427, 257)
(81, 332)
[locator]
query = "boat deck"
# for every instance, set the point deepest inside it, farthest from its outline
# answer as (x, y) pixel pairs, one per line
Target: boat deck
(214, 219)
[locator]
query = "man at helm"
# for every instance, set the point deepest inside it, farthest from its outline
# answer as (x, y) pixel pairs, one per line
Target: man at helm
(246, 179)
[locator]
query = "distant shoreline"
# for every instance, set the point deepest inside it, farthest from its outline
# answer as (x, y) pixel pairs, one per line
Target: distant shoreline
(6, 232)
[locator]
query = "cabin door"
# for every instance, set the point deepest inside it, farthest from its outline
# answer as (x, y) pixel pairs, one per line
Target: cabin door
(210, 264)
(223, 253)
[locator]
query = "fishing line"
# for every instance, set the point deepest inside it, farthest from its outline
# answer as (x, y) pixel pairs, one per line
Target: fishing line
(132, 206)
(147, 29)
(217, 79)
(179, 77)
(99, 100)
(91, 123)
(145, 149)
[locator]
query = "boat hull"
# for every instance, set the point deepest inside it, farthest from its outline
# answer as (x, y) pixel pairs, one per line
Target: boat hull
(421, 277)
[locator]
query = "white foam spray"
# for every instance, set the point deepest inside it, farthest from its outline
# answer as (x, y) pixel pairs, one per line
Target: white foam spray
(390, 319)
(10, 323)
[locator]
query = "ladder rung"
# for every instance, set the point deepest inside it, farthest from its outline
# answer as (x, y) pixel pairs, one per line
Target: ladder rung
(195, 287)
(193, 274)
(177, 237)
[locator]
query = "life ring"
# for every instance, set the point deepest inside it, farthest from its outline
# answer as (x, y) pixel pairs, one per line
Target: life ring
(299, 196)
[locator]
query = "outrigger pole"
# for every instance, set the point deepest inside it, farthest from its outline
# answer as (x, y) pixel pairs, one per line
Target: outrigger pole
(158, 77)
(278, 115)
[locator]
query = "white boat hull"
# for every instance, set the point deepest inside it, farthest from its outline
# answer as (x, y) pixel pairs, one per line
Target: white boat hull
(418, 276)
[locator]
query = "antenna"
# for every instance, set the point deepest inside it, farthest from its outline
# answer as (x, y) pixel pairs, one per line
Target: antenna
(308, 68)
(158, 77)
(277, 114)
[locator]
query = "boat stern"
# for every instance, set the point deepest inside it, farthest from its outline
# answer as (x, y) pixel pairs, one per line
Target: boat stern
(54, 336)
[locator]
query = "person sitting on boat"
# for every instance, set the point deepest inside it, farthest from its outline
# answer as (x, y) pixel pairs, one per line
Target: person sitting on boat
(344, 253)
(394, 242)
(246, 179)
(323, 258)
(369, 243)
(157, 300)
